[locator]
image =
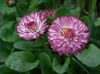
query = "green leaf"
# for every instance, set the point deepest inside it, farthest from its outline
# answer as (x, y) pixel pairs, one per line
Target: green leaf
(90, 57)
(63, 11)
(55, 3)
(92, 5)
(29, 45)
(45, 63)
(5, 48)
(86, 20)
(95, 39)
(69, 4)
(6, 70)
(60, 69)
(35, 3)
(22, 61)
(96, 42)
(80, 3)
(22, 7)
(8, 32)
(96, 33)
(75, 11)
(97, 23)
(3, 56)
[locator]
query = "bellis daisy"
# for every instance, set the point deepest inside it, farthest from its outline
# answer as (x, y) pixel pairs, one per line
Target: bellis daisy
(31, 26)
(47, 13)
(68, 35)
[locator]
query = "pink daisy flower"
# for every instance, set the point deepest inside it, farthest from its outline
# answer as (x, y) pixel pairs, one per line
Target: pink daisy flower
(48, 12)
(68, 35)
(31, 26)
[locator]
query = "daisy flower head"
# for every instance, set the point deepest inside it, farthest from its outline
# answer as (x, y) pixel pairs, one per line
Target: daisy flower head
(31, 26)
(68, 35)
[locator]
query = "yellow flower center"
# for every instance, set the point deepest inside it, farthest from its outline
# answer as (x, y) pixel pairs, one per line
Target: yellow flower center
(68, 33)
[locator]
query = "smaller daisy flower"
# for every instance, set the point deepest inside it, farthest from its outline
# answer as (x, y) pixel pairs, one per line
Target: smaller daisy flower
(31, 26)
(48, 12)
(68, 35)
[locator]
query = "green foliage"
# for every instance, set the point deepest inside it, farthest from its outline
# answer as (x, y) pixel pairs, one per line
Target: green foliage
(60, 69)
(22, 61)
(6, 70)
(22, 7)
(63, 11)
(28, 45)
(45, 63)
(18, 56)
(97, 23)
(90, 56)
(35, 3)
(4, 50)
(8, 32)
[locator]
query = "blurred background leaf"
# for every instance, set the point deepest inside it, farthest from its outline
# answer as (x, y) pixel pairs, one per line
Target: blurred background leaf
(45, 63)
(5, 48)
(36, 45)
(35, 3)
(22, 61)
(8, 32)
(61, 69)
(97, 23)
(63, 11)
(22, 7)
(6, 70)
(90, 56)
